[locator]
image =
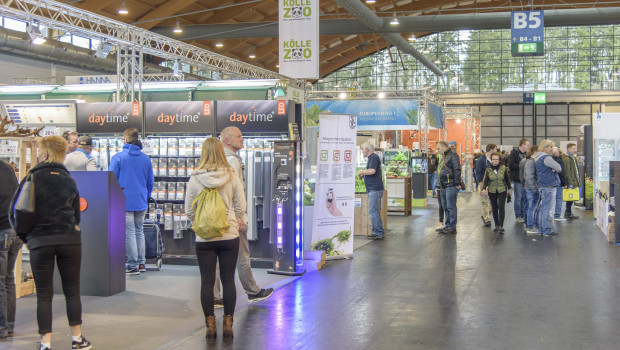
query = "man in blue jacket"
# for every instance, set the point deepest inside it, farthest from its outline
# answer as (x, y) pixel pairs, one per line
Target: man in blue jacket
(134, 172)
(483, 162)
(547, 171)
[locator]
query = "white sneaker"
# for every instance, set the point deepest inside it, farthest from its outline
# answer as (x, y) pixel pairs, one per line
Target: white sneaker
(519, 220)
(531, 230)
(559, 219)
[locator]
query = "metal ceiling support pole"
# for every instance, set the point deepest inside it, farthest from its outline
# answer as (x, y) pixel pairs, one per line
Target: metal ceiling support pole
(130, 74)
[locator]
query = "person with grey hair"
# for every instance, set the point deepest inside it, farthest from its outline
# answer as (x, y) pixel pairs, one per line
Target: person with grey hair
(547, 171)
(232, 140)
(374, 187)
(80, 159)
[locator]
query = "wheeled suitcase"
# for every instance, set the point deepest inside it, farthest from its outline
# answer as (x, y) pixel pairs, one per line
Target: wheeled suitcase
(153, 244)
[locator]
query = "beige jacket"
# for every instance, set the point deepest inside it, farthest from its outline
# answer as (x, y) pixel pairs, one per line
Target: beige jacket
(231, 191)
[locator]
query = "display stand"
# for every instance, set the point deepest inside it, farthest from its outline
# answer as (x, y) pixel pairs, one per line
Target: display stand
(103, 234)
(24, 144)
(363, 224)
(399, 193)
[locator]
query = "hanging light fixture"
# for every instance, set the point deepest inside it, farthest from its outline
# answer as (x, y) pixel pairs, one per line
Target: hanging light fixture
(394, 20)
(426, 51)
(447, 69)
(412, 38)
(252, 55)
(123, 9)
(35, 34)
(437, 61)
(381, 95)
(371, 1)
(454, 77)
(177, 28)
(343, 95)
(219, 44)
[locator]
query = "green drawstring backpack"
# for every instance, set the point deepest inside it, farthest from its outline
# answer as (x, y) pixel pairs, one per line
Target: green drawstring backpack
(210, 220)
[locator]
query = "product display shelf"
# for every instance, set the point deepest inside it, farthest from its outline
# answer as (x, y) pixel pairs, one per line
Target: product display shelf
(398, 180)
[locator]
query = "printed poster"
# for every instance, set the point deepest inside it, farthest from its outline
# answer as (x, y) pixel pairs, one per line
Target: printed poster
(332, 228)
(299, 38)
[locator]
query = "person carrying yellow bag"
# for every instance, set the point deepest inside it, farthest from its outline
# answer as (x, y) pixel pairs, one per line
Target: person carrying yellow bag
(572, 177)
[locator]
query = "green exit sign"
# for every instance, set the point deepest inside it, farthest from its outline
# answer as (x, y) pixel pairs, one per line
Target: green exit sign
(540, 97)
(528, 49)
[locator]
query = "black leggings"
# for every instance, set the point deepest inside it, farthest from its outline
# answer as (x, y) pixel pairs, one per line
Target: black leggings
(69, 258)
(498, 203)
(208, 254)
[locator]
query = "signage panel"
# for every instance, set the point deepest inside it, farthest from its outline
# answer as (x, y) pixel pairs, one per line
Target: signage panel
(299, 38)
(253, 116)
(527, 31)
(40, 112)
(376, 114)
(183, 117)
(108, 117)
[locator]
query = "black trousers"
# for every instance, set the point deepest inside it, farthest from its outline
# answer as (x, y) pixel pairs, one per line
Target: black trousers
(69, 258)
(498, 205)
(208, 254)
(569, 207)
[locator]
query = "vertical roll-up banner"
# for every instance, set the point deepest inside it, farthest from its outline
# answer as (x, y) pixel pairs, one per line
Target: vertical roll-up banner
(332, 228)
(299, 38)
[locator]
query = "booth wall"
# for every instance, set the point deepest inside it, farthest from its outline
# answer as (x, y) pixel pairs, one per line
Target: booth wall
(21, 67)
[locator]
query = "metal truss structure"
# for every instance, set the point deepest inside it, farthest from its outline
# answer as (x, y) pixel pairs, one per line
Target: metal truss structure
(132, 41)
(424, 97)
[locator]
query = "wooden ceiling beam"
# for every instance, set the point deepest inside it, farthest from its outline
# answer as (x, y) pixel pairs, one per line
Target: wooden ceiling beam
(167, 9)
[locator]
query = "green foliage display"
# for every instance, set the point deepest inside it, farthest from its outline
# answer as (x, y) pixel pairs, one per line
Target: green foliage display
(397, 163)
(412, 116)
(312, 115)
(329, 246)
(308, 193)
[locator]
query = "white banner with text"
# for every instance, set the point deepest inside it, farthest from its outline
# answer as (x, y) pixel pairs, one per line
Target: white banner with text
(332, 228)
(299, 38)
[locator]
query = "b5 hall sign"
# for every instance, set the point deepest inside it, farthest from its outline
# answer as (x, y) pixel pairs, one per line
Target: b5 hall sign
(185, 117)
(108, 117)
(254, 116)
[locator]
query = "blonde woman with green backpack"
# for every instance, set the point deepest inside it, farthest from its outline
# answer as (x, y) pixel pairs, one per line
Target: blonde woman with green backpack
(496, 185)
(215, 203)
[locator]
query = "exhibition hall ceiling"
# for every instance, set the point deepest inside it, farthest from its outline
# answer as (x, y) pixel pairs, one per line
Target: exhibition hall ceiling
(337, 50)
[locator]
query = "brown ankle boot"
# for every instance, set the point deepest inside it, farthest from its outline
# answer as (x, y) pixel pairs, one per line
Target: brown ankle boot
(228, 324)
(211, 328)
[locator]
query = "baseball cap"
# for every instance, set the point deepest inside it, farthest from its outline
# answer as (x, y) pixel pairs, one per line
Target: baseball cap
(85, 141)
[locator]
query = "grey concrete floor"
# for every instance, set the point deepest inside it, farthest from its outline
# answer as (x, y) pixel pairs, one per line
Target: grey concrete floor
(415, 289)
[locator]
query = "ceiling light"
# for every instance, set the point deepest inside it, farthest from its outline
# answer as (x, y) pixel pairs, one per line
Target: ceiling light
(219, 44)
(252, 55)
(320, 80)
(394, 20)
(616, 73)
(103, 50)
(437, 61)
(343, 95)
(447, 69)
(458, 121)
(123, 9)
(461, 83)
(412, 38)
(426, 50)
(454, 77)
(35, 34)
(177, 28)
(381, 95)
(277, 66)
(371, 1)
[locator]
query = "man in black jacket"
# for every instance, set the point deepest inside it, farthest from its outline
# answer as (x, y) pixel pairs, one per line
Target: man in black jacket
(432, 167)
(557, 215)
(449, 171)
(10, 246)
(514, 159)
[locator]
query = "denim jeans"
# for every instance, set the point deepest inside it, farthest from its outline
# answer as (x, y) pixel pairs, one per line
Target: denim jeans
(374, 211)
(546, 209)
(519, 199)
(10, 246)
(448, 202)
(558, 203)
(134, 238)
(531, 214)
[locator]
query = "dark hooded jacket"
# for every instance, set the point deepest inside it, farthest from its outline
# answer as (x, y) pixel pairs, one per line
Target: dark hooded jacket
(57, 207)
